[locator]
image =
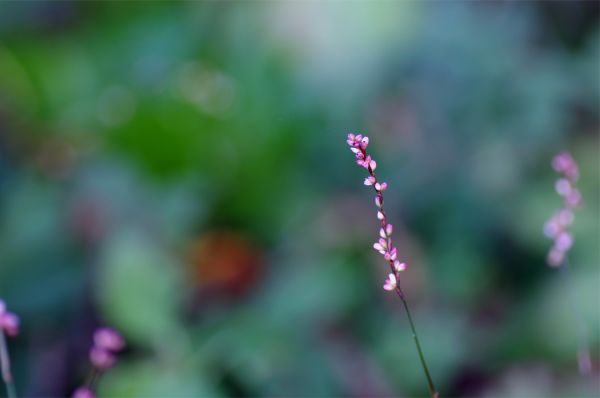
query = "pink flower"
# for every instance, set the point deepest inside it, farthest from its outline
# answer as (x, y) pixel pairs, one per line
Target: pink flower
(380, 187)
(565, 164)
(563, 241)
(108, 339)
(399, 267)
(107, 342)
(378, 201)
(555, 257)
(557, 227)
(9, 322)
(390, 283)
(102, 359)
(84, 392)
(563, 187)
(388, 229)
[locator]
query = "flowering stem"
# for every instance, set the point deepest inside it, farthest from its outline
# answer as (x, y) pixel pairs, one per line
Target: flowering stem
(583, 355)
(5, 364)
(432, 390)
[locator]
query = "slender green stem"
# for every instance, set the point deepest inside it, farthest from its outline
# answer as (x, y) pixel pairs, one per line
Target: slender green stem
(583, 354)
(432, 390)
(5, 365)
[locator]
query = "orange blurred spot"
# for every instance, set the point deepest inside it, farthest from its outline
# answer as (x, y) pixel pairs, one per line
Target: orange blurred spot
(225, 261)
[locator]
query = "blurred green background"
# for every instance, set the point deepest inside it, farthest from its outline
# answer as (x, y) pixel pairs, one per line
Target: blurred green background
(179, 171)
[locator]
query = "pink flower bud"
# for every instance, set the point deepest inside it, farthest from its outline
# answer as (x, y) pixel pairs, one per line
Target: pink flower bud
(101, 358)
(2, 307)
(388, 229)
(565, 164)
(108, 339)
(564, 241)
(364, 142)
(565, 217)
(10, 323)
(551, 228)
(398, 266)
(350, 139)
(390, 283)
(380, 215)
(355, 150)
(381, 187)
(372, 165)
(379, 248)
(563, 187)
(378, 201)
(84, 392)
(555, 257)
(573, 198)
(370, 180)
(393, 253)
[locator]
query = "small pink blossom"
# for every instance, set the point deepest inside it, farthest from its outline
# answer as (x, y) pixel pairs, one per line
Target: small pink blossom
(380, 215)
(390, 283)
(350, 139)
(398, 266)
(377, 246)
(573, 198)
(9, 322)
(369, 180)
(563, 187)
(565, 164)
(102, 359)
(108, 339)
(378, 201)
(388, 229)
(364, 143)
(555, 257)
(557, 227)
(380, 187)
(83, 392)
(564, 241)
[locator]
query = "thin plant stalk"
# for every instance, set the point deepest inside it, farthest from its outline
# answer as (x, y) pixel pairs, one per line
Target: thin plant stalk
(432, 389)
(11, 391)
(583, 352)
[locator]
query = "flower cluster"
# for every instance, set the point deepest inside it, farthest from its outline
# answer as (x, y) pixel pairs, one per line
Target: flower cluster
(107, 342)
(358, 145)
(557, 227)
(9, 322)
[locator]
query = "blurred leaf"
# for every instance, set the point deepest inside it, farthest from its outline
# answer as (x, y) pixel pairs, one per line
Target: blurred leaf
(139, 289)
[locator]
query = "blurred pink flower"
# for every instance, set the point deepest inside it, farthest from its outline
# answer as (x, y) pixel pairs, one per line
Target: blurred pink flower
(9, 322)
(109, 339)
(102, 359)
(390, 282)
(84, 392)
(557, 227)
